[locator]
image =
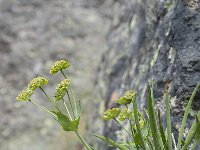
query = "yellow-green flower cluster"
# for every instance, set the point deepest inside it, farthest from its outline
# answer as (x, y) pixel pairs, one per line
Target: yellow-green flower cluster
(124, 114)
(24, 95)
(37, 82)
(111, 113)
(61, 89)
(126, 98)
(33, 84)
(59, 65)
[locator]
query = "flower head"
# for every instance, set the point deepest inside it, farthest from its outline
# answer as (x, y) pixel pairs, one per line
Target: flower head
(126, 98)
(59, 65)
(124, 114)
(37, 82)
(24, 95)
(61, 89)
(111, 113)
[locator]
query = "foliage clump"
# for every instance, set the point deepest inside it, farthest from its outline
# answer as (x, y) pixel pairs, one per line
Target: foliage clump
(146, 130)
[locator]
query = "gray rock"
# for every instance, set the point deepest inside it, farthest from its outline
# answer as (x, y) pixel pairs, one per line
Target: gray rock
(151, 39)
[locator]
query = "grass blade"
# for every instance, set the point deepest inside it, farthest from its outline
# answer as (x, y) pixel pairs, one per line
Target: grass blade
(196, 138)
(150, 144)
(162, 133)
(152, 120)
(187, 109)
(191, 134)
(169, 128)
(137, 123)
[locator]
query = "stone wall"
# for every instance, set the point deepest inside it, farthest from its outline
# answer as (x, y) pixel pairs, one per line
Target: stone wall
(156, 39)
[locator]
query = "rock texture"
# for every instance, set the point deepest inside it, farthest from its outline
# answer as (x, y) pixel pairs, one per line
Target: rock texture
(151, 39)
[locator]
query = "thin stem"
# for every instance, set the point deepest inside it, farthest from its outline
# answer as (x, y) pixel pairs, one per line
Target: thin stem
(173, 139)
(68, 94)
(79, 105)
(121, 125)
(71, 104)
(49, 98)
(74, 101)
(42, 108)
(67, 109)
(83, 141)
(63, 74)
(132, 132)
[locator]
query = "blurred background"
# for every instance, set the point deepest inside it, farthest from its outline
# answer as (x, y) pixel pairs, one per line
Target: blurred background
(34, 34)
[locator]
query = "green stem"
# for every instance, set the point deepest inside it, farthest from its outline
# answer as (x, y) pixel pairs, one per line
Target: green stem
(132, 132)
(42, 108)
(71, 105)
(74, 101)
(63, 74)
(137, 122)
(83, 141)
(49, 98)
(68, 94)
(67, 109)
(121, 125)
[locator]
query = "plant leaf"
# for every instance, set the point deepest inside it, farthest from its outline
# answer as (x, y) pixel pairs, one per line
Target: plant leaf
(162, 133)
(168, 114)
(111, 142)
(131, 145)
(196, 137)
(187, 109)
(191, 133)
(150, 143)
(67, 125)
(152, 120)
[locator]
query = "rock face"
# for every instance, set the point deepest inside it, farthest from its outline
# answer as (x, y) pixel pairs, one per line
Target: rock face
(151, 39)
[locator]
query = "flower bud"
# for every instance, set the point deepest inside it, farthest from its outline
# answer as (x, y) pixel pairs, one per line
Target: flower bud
(24, 95)
(124, 114)
(126, 98)
(61, 89)
(59, 65)
(37, 82)
(111, 113)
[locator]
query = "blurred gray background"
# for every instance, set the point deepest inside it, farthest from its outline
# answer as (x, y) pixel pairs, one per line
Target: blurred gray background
(34, 34)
